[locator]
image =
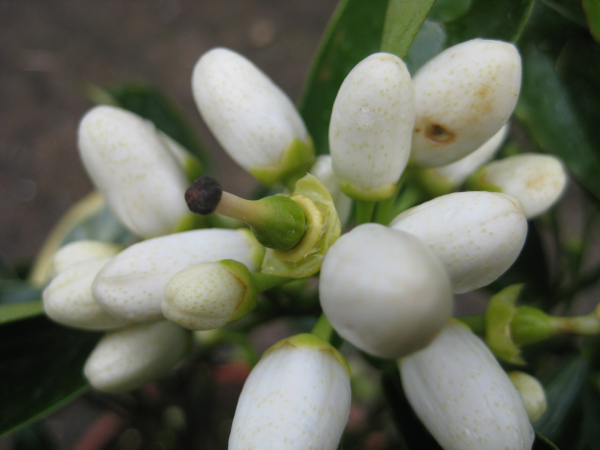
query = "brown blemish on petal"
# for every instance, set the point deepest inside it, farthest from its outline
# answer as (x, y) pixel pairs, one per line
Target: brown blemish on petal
(439, 135)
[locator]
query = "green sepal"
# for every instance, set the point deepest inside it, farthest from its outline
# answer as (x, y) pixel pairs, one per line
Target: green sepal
(369, 195)
(498, 317)
(477, 182)
(323, 229)
(284, 224)
(242, 274)
(530, 325)
(293, 163)
(308, 340)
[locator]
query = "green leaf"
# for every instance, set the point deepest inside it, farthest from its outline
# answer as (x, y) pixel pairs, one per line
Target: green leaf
(402, 21)
(449, 10)
(413, 432)
(20, 311)
(592, 14)
(152, 104)
(589, 436)
(353, 33)
(543, 443)
(18, 291)
(41, 369)
(562, 393)
(559, 95)
(571, 9)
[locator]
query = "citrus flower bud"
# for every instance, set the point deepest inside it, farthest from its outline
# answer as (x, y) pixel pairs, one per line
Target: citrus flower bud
(68, 298)
(532, 393)
(132, 284)
(253, 120)
(323, 170)
(463, 97)
(445, 179)
(462, 395)
(209, 295)
(297, 396)
(79, 252)
(384, 291)
(537, 181)
(476, 235)
(128, 161)
(370, 129)
(128, 358)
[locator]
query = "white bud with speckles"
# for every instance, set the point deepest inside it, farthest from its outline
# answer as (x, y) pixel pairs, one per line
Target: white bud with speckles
(79, 252)
(133, 356)
(384, 291)
(296, 397)
(253, 120)
(371, 125)
(463, 97)
(457, 172)
(209, 295)
(476, 235)
(68, 299)
(132, 165)
(462, 395)
(537, 181)
(132, 284)
(323, 170)
(532, 392)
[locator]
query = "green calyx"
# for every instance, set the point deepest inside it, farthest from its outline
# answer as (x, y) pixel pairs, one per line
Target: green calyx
(477, 182)
(498, 318)
(293, 163)
(530, 325)
(322, 230)
(281, 223)
(369, 195)
(248, 302)
(309, 341)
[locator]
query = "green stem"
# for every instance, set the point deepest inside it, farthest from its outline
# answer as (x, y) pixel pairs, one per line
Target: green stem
(325, 331)
(383, 213)
(409, 197)
(582, 325)
(264, 282)
(475, 322)
(364, 211)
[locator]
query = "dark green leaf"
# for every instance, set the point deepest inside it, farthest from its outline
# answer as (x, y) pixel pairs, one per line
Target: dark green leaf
(571, 9)
(34, 437)
(153, 105)
(543, 443)
(589, 436)
(41, 367)
(19, 311)
(353, 33)
(592, 13)
(402, 21)
(429, 41)
(559, 95)
(409, 426)
(449, 10)
(562, 393)
(17, 291)
(102, 226)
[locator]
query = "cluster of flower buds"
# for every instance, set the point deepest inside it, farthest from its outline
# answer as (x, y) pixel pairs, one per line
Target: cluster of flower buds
(385, 288)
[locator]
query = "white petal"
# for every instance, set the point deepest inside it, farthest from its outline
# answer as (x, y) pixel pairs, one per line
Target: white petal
(81, 251)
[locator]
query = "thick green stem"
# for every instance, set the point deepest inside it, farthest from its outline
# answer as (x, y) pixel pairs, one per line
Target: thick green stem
(264, 282)
(364, 211)
(582, 325)
(383, 213)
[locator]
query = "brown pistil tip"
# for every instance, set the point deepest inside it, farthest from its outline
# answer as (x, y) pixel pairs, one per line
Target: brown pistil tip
(204, 195)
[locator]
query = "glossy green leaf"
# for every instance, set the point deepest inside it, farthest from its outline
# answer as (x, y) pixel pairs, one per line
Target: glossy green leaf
(20, 311)
(559, 95)
(153, 105)
(543, 443)
(402, 21)
(449, 10)
(353, 33)
(592, 14)
(410, 428)
(571, 9)
(562, 393)
(18, 291)
(41, 367)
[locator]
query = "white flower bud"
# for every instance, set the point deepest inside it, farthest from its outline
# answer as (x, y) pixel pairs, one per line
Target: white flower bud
(371, 125)
(463, 97)
(253, 120)
(537, 181)
(79, 252)
(384, 291)
(133, 356)
(476, 235)
(458, 171)
(532, 393)
(68, 298)
(323, 170)
(296, 397)
(462, 395)
(132, 284)
(128, 161)
(209, 295)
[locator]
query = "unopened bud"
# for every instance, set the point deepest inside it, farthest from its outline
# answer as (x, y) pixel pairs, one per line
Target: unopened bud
(253, 120)
(323, 170)
(532, 392)
(79, 252)
(371, 125)
(476, 235)
(296, 397)
(463, 97)
(384, 291)
(133, 356)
